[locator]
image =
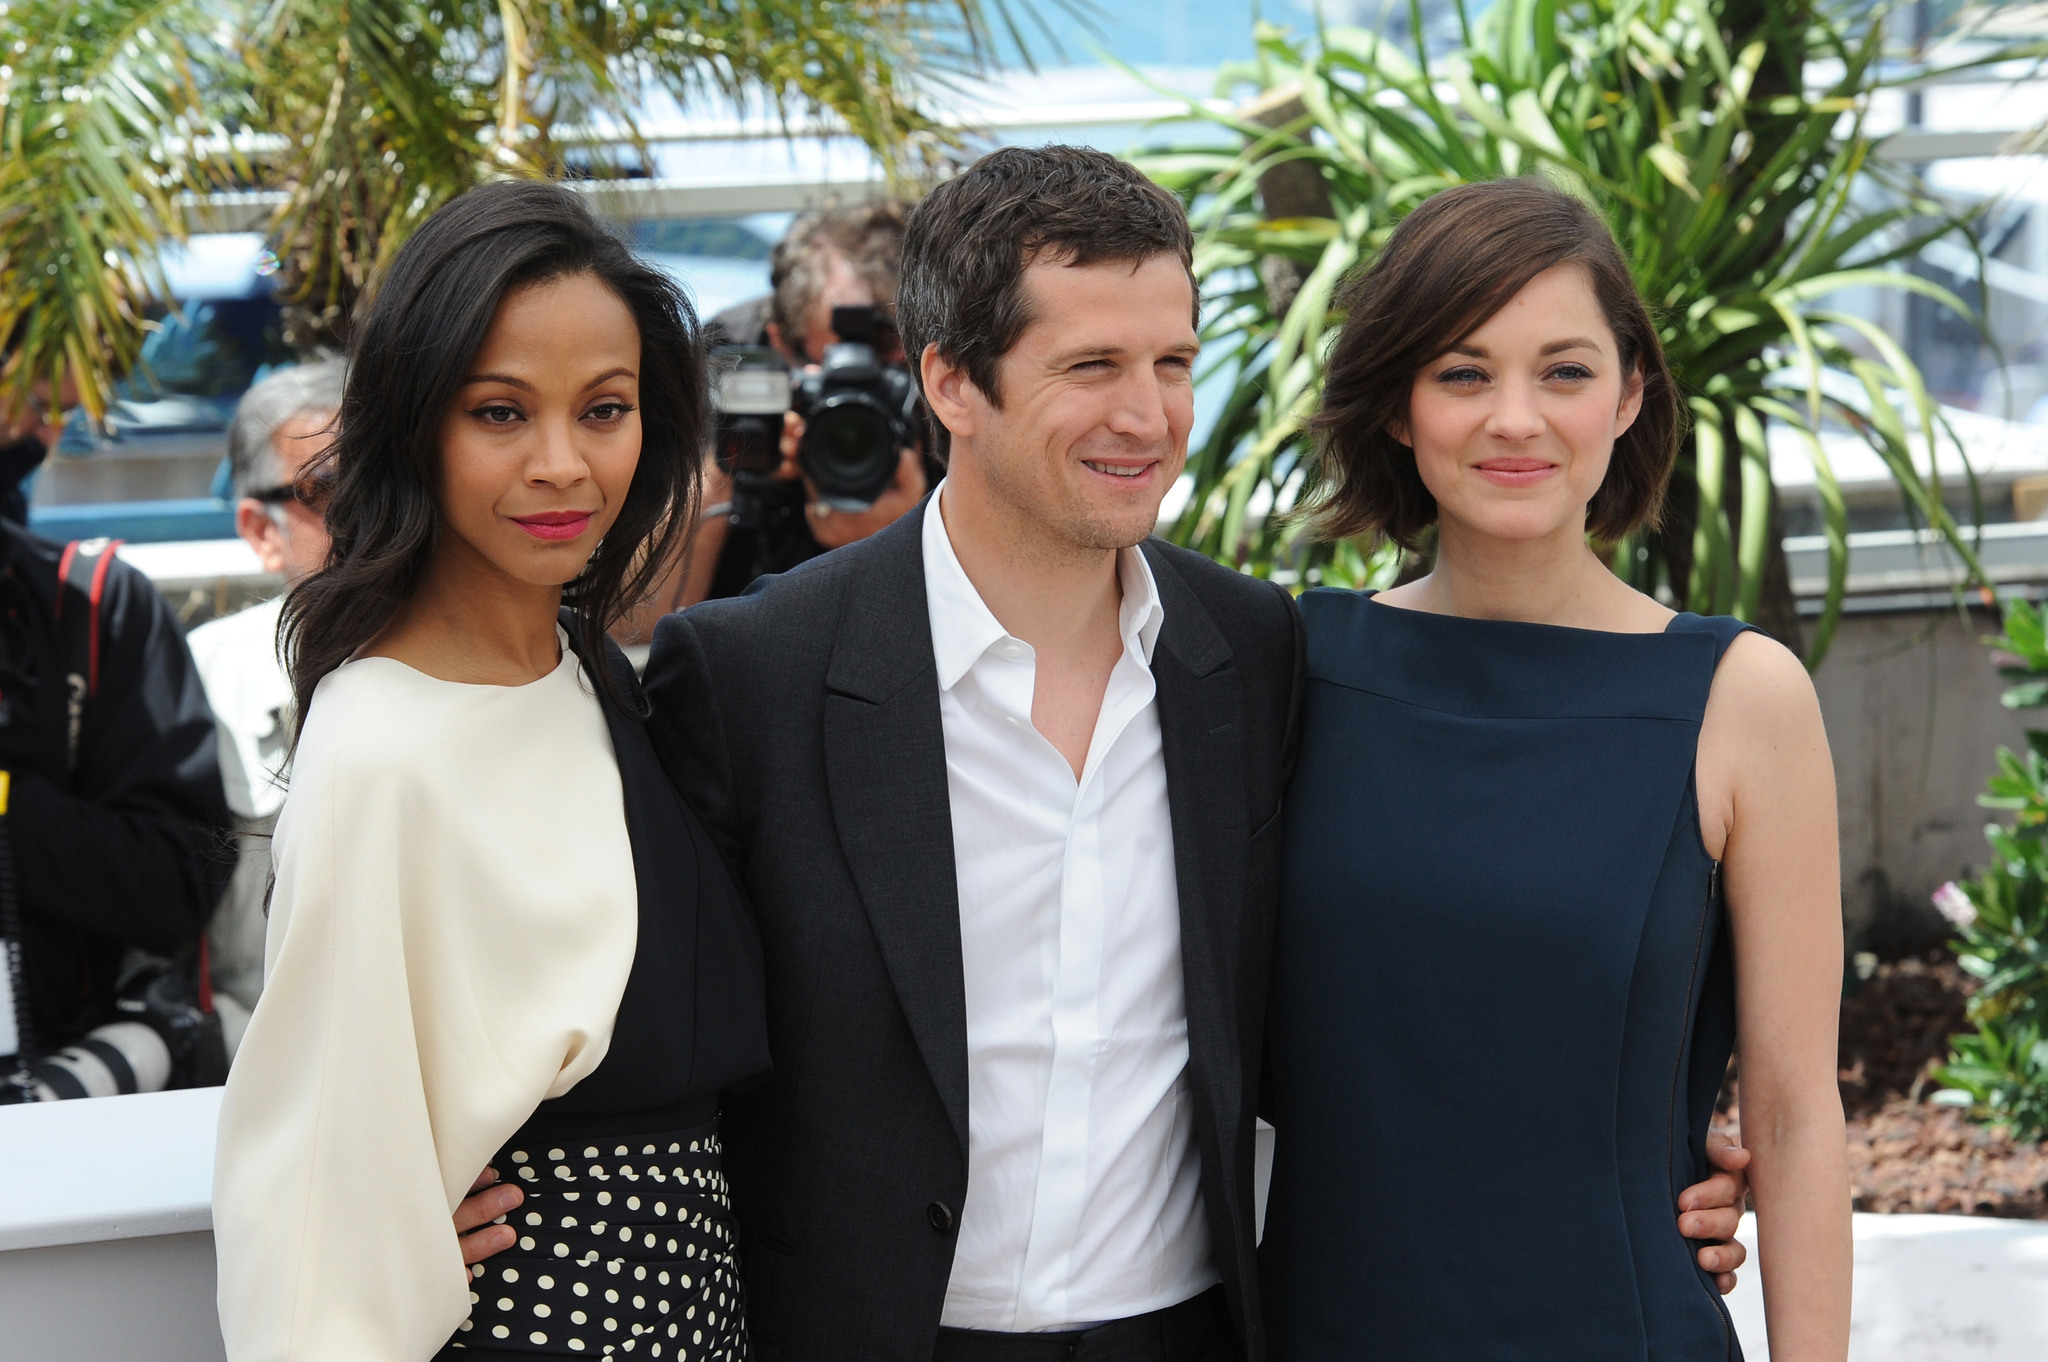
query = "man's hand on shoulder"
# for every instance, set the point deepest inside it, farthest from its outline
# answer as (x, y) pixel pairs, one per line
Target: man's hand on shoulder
(480, 1220)
(1712, 1209)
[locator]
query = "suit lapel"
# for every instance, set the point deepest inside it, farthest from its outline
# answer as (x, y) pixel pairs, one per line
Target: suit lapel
(1201, 726)
(885, 768)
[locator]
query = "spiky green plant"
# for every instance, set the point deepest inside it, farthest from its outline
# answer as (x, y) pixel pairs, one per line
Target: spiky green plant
(1743, 200)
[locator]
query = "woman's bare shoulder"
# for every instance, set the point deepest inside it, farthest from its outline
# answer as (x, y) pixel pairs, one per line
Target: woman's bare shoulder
(1763, 707)
(1762, 678)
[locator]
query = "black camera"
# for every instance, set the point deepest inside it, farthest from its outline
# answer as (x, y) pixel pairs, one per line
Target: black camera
(858, 414)
(750, 387)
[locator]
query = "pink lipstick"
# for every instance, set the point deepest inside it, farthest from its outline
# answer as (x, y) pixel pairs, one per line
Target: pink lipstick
(554, 525)
(1514, 472)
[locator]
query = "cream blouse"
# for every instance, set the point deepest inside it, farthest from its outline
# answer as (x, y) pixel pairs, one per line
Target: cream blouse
(453, 922)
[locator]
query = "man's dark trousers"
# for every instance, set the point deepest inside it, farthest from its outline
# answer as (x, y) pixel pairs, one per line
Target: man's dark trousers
(802, 720)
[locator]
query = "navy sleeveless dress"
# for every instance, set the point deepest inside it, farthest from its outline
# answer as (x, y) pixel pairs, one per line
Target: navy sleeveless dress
(1502, 998)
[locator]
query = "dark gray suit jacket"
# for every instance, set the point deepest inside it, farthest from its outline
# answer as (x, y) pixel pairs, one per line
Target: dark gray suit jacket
(802, 721)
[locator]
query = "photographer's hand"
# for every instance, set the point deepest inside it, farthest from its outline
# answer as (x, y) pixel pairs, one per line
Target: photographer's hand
(792, 440)
(833, 528)
(476, 1226)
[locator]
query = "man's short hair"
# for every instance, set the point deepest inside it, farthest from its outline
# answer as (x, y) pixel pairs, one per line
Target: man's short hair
(253, 465)
(869, 235)
(969, 242)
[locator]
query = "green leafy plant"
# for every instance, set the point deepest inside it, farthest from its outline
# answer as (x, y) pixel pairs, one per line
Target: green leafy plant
(2001, 917)
(101, 130)
(369, 114)
(1743, 200)
(389, 108)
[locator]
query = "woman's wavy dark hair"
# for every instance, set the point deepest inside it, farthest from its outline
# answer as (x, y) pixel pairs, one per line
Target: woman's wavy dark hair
(408, 357)
(1452, 263)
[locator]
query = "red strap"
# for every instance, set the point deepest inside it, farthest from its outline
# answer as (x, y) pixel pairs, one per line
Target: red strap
(64, 574)
(99, 587)
(205, 977)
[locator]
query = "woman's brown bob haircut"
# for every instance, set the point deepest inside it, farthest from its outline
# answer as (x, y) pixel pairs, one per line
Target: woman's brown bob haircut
(1452, 263)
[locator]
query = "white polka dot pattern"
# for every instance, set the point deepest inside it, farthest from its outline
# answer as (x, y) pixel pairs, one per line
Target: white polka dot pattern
(626, 1251)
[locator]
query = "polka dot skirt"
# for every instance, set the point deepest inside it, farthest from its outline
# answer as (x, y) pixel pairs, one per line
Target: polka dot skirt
(625, 1250)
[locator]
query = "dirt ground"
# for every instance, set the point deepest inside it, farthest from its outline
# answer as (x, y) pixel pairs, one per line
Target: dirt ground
(1906, 1154)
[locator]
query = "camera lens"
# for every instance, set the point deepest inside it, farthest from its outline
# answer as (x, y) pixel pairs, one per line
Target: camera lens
(749, 444)
(121, 1057)
(849, 450)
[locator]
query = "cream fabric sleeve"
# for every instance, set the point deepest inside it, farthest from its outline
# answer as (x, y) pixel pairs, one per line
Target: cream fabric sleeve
(451, 930)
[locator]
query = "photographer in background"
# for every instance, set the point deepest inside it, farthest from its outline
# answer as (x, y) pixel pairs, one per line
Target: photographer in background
(282, 424)
(830, 258)
(112, 820)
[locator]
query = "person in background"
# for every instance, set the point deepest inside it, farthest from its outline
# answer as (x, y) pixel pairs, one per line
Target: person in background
(283, 423)
(112, 813)
(29, 429)
(830, 257)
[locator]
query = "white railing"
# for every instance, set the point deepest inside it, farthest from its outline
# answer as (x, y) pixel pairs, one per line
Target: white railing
(106, 1250)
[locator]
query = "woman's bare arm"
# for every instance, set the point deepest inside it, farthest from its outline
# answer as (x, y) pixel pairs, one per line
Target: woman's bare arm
(1767, 810)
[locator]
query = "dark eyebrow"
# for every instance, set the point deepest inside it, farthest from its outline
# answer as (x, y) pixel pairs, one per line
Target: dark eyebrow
(521, 384)
(505, 379)
(1187, 351)
(1555, 347)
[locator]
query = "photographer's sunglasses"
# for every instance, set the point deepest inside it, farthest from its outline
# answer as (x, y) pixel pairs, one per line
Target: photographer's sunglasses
(310, 492)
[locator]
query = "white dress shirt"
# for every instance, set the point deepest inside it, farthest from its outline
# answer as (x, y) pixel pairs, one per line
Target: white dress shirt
(1083, 1181)
(251, 698)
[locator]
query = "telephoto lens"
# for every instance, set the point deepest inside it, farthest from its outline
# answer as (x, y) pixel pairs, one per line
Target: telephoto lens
(108, 1061)
(168, 1024)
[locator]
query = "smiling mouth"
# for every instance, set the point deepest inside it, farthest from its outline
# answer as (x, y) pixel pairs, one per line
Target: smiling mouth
(554, 525)
(1514, 472)
(1118, 470)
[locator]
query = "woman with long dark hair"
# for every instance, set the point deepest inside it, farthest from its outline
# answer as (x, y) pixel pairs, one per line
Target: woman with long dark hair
(497, 936)
(1552, 849)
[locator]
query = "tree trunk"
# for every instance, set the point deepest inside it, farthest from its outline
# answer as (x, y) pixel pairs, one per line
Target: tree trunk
(1293, 189)
(1782, 26)
(1777, 612)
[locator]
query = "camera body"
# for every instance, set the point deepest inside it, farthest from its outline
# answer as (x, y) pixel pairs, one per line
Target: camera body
(858, 414)
(751, 389)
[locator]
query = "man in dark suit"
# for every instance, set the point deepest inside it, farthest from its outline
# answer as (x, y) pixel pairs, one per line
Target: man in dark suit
(1003, 783)
(1007, 822)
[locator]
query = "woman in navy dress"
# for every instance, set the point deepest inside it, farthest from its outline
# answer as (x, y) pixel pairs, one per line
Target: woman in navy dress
(1552, 850)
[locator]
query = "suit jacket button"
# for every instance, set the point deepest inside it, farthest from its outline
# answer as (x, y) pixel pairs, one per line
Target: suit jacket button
(941, 1217)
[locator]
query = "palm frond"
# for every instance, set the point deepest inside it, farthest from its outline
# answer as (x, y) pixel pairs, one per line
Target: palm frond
(102, 126)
